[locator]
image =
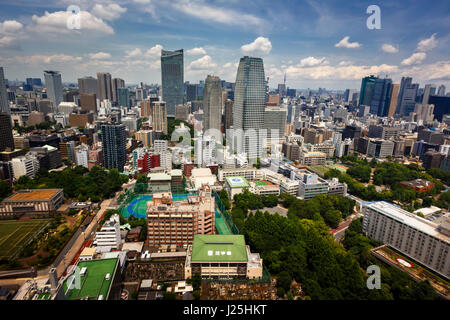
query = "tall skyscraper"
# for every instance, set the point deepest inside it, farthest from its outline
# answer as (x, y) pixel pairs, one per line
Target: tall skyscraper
(88, 102)
(191, 92)
(406, 96)
(430, 90)
(104, 86)
(4, 104)
(159, 116)
(172, 79)
(228, 113)
(114, 145)
(249, 103)
(123, 97)
(53, 84)
(394, 99)
(367, 86)
(6, 136)
(117, 83)
(212, 103)
(88, 85)
(376, 93)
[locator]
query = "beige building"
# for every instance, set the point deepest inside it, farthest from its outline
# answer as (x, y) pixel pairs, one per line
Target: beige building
(175, 222)
(312, 158)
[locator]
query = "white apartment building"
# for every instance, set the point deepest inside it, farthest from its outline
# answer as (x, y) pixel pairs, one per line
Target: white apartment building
(82, 155)
(160, 146)
(25, 166)
(109, 234)
(420, 239)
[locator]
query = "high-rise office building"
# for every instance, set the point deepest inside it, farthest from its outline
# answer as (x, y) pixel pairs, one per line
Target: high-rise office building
(88, 85)
(430, 89)
(212, 104)
(407, 96)
(191, 92)
(275, 120)
(53, 84)
(117, 83)
(88, 102)
(4, 104)
(172, 79)
(114, 145)
(6, 136)
(228, 113)
(394, 99)
(123, 97)
(376, 93)
(249, 103)
(159, 116)
(146, 110)
(104, 83)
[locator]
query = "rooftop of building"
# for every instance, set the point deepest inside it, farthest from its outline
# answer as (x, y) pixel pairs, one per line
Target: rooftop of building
(93, 284)
(418, 183)
(159, 177)
(33, 194)
(219, 248)
(408, 218)
(237, 182)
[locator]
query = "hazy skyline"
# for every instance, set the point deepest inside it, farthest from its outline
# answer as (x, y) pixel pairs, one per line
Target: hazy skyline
(316, 45)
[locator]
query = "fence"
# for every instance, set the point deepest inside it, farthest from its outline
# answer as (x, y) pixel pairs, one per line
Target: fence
(224, 212)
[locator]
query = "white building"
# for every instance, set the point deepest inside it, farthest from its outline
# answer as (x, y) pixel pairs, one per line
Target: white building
(82, 155)
(419, 239)
(160, 146)
(201, 176)
(25, 166)
(109, 234)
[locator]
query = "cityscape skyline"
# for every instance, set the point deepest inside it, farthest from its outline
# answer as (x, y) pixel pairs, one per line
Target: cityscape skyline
(334, 48)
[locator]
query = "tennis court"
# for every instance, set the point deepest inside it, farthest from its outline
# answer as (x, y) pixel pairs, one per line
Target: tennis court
(15, 234)
(220, 224)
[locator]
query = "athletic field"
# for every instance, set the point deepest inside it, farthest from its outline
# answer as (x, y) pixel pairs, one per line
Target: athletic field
(14, 234)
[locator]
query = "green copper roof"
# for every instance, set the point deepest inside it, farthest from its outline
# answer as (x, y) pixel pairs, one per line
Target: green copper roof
(219, 248)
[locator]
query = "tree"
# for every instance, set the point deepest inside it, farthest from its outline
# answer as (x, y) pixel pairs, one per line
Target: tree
(284, 281)
(5, 189)
(142, 178)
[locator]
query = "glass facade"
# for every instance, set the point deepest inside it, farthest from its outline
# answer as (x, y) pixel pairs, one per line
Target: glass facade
(249, 102)
(172, 74)
(114, 146)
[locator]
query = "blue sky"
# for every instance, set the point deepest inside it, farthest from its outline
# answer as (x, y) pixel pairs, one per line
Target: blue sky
(315, 43)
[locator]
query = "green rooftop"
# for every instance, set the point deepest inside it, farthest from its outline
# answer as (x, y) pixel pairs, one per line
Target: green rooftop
(219, 248)
(93, 284)
(237, 182)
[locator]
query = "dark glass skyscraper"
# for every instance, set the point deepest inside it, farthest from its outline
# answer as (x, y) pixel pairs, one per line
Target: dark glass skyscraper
(250, 102)
(376, 93)
(172, 79)
(4, 103)
(124, 97)
(114, 145)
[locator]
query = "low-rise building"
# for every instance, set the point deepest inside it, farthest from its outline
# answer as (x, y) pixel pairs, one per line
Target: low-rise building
(32, 203)
(235, 185)
(264, 188)
(419, 185)
(109, 234)
(222, 257)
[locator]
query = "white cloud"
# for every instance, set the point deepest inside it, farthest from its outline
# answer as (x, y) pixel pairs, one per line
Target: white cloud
(261, 45)
(228, 65)
(39, 59)
(203, 63)
(56, 22)
(427, 72)
(311, 62)
(345, 43)
(389, 48)
(6, 41)
(134, 53)
(196, 51)
(10, 26)
(100, 56)
(347, 72)
(217, 15)
(427, 44)
(415, 58)
(108, 12)
(154, 52)
(345, 63)
(142, 1)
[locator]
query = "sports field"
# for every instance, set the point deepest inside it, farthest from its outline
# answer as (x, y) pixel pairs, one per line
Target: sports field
(220, 224)
(14, 234)
(138, 207)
